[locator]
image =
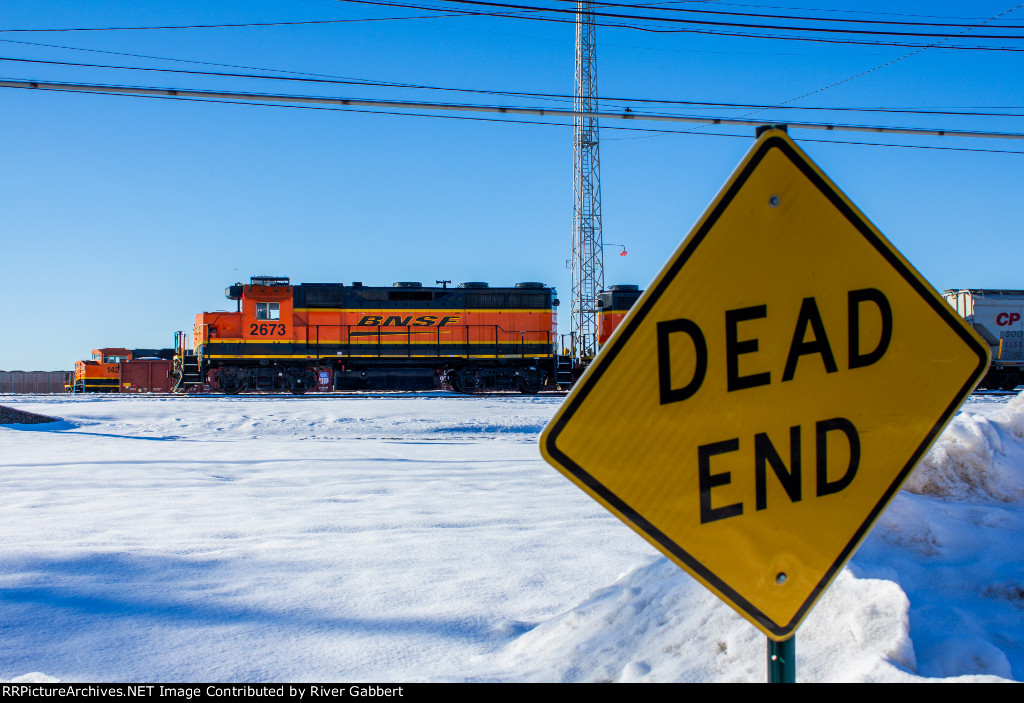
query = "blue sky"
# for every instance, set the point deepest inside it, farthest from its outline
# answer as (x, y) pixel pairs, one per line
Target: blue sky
(124, 217)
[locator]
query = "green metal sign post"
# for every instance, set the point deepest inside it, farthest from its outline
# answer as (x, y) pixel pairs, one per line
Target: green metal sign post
(782, 661)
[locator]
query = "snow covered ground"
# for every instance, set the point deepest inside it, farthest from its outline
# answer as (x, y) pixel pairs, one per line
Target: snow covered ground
(423, 538)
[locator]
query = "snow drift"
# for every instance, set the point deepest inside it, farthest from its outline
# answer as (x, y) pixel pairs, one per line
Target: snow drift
(977, 457)
(422, 538)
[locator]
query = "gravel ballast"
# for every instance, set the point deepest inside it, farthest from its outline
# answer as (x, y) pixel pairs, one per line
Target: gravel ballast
(10, 416)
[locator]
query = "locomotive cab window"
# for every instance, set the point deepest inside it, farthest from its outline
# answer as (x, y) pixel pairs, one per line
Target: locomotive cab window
(268, 311)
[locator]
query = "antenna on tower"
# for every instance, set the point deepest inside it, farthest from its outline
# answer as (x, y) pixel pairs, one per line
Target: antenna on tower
(587, 248)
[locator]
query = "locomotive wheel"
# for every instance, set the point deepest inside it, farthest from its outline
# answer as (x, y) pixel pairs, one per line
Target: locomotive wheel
(991, 381)
(229, 383)
(1010, 381)
(464, 381)
(526, 387)
(301, 381)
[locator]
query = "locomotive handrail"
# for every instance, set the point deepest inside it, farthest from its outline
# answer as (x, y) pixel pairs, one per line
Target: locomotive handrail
(500, 337)
(464, 348)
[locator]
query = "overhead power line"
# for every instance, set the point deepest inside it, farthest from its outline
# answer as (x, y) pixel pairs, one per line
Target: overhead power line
(619, 20)
(695, 29)
(834, 10)
(879, 67)
(560, 125)
(798, 18)
(666, 103)
(542, 112)
(452, 12)
(227, 25)
(504, 6)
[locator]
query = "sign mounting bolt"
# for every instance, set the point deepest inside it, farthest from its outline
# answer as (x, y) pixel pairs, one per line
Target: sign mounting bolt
(773, 201)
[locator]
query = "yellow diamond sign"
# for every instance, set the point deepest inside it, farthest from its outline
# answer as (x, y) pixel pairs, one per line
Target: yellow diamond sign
(767, 396)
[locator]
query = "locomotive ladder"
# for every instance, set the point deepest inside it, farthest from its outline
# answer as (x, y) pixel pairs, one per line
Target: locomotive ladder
(563, 371)
(186, 364)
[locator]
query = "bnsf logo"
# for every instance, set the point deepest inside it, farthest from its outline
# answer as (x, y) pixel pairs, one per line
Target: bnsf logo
(407, 321)
(1007, 318)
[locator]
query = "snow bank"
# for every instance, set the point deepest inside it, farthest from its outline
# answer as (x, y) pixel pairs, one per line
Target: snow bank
(656, 624)
(34, 677)
(977, 457)
(936, 591)
(423, 538)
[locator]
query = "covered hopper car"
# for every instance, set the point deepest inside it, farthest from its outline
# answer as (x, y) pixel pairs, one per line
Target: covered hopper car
(997, 315)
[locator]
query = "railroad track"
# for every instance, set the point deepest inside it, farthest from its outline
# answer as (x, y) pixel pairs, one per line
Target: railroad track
(406, 394)
(341, 394)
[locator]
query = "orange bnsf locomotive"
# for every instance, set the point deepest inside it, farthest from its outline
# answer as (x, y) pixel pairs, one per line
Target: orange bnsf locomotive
(333, 336)
(121, 370)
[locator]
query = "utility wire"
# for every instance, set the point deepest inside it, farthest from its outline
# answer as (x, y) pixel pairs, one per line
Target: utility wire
(708, 32)
(689, 104)
(850, 78)
(676, 20)
(168, 58)
(474, 118)
(543, 112)
(799, 18)
(514, 12)
(719, 3)
(560, 20)
(901, 58)
(884, 65)
(537, 8)
(231, 25)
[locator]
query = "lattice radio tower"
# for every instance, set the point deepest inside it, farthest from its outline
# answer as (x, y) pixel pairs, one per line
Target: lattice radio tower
(587, 244)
